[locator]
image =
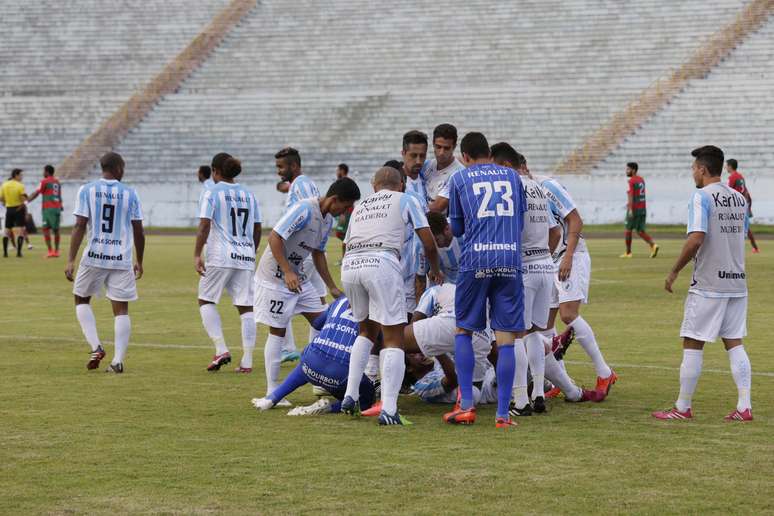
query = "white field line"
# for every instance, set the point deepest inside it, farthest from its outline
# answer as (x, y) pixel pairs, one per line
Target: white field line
(769, 374)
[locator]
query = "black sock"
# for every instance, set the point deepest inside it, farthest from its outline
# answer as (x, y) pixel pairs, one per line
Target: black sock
(5, 246)
(19, 242)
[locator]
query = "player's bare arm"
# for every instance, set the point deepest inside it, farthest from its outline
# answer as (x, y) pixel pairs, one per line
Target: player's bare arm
(420, 284)
(321, 264)
(449, 380)
(431, 252)
(257, 235)
(277, 247)
(574, 228)
(440, 204)
(202, 233)
(79, 230)
(690, 248)
(554, 236)
(139, 246)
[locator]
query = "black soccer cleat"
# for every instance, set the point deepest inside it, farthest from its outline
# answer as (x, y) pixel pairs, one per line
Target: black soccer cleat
(539, 405)
(95, 358)
(520, 412)
(115, 368)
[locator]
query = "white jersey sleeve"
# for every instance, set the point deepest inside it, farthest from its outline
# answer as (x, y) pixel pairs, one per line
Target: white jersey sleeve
(294, 220)
(301, 188)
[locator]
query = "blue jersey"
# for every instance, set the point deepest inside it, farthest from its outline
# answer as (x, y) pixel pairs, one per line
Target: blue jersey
(301, 188)
(339, 332)
(489, 200)
(110, 206)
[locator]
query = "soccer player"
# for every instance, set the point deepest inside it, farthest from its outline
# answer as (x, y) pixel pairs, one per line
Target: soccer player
(636, 211)
(52, 208)
(737, 182)
(15, 199)
(111, 211)
(487, 205)
(372, 279)
(284, 286)
(230, 225)
(539, 237)
(572, 278)
(716, 305)
(414, 153)
(436, 172)
(325, 364)
(204, 174)
(449, 252)
(342, 170)
(343, 221)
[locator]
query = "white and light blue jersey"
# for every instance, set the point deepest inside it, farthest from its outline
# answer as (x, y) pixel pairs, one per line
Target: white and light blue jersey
(339, 332)
(438, 301)
(233, 211)
(301, 188)
(489, 200)
(437, 181)
(208, 183)
(449, 258)
(561, 204)
(416, 187)
(110, 206)
(379, 222)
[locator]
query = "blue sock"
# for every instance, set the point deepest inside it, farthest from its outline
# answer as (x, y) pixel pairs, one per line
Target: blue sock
(506, 370)
(464, 363)
(295, 379)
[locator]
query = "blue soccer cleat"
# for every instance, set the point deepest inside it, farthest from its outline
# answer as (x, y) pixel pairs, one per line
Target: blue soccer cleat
(350, 406)
(386, 419)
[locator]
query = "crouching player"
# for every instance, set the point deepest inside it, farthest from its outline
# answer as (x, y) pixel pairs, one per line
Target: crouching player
(324, 363)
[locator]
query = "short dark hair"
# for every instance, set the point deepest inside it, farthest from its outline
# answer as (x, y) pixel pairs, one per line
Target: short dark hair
(49, 169)
(232, 167)
(345, 189)
(205, 171)
(711, 158)
(445, 131)
(289, 154)
(414, 136)
(344, 167)
(219, 159)
(475, 145)
(15, 172)
(437, 222)
(111, 162)
(394, 163)
(732, 163)
(634, 166)
(503, 151)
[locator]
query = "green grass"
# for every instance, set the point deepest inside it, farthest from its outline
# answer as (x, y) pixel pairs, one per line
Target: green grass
(169, 437)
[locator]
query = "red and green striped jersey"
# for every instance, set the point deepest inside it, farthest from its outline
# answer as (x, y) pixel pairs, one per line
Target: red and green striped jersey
(637, 191)
(736, 181)
(52, 193)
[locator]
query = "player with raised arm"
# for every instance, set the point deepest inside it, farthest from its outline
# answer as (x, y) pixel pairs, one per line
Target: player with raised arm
(636, 211)
(737, 182)
(487, 205)
(284, 286)
(716, 305)
(111, 212)
(230, 225)
(436, 172)
(52, 208)
(540, 236)
(372, 279)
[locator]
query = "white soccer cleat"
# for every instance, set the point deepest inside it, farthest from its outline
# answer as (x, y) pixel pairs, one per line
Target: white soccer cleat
(262, 404)
(319, 391)
(283, 403)
(321, 406)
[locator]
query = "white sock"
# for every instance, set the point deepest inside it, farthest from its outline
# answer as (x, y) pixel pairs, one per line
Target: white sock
(272, 358)
(742, 373)
(690, 370)
(536, 354)
(213, 327)
(585, 337)
(358, 358)
(123, 329)
(393, 369)
(550, 333)
(289, 345)
(520, 398)
(372, 367)
(248, 340)
(559, 377)
(312, 333)
(88, 323)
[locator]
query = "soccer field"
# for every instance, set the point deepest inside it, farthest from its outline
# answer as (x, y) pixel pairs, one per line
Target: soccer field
(167, 436)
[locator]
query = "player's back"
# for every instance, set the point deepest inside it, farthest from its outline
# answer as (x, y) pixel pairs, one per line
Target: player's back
(302, 187)
(561, 204)
(378, 222)
(537, 221)
(737, 182)
(339, 332)
(233, 211)
(51, 191)
(438, 301)
(490, 200)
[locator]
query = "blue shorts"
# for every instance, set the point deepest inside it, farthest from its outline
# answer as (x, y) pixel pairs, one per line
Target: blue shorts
(504, 290)
(332, 376)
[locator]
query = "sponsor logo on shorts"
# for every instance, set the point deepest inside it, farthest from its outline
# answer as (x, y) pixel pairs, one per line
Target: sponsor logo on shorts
(315, 375)
(499, 272)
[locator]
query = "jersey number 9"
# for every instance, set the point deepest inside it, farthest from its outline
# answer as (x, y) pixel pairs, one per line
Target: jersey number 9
(108, 217)
(503, 208)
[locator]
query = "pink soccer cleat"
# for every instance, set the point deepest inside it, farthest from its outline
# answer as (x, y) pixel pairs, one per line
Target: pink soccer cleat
(672, 413)
(736, 415)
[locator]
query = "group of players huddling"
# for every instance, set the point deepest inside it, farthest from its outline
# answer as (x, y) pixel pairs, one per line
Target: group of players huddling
(453, 274)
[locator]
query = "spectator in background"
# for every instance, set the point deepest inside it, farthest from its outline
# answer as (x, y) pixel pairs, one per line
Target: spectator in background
(737, 182)
(343, 221)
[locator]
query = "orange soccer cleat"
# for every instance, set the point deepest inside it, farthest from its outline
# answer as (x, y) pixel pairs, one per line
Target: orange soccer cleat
(373, 411)
(458, 416)
(604, 384)
(504, 422)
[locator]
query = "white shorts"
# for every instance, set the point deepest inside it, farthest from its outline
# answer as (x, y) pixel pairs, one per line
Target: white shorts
(373, 283)
(435, 336)
(410, 289)
(237, 282)
(314, 277)
(276, 307)
(538, 291)
(576, 287)
(707, 318)
(119, 284)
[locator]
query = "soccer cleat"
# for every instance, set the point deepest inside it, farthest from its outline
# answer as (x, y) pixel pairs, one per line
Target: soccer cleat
(262, 404)
(373, 411)
(755, 250)
(595, 396)
(561, 343)
(283, 403)
(115, 368)
(458, 416)
(243, 370)
(672, 413)
(604, 384)
(50, 254)
(626, 255)
(289, 356)
(56, 253)
(736, 415)
(553, 393)
(504, 422)
(95, 358)
(654, 251)
(219, 361)
(520, 412)
(387, 420)
(319, 391)
(539, 405)
(29, 246)
(321, 406)
(350, 407)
